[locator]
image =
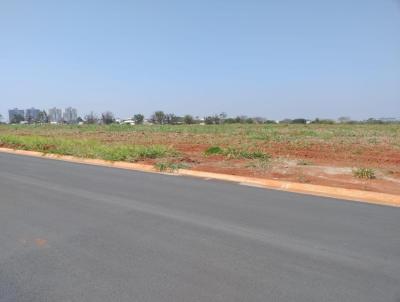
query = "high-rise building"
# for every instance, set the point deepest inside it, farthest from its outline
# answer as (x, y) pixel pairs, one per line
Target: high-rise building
(55, 115)
(31, 114)
(70, 115)
(16, 115)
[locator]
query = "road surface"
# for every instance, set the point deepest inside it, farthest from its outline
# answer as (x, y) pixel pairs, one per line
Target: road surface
(71, 232)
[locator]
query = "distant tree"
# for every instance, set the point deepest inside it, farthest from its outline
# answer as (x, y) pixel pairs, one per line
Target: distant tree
(344, 119)
(158, 117)
(79, 120)
(285, 121)
(259, 120)
(1, 118)
(373, 121)
(107, 117)
(17, 119)
(91, 118)
(208, 120)
(188, 119)
(222, 116)
(172, 119)
(42, 117)
(323, 121)
(299, 121)
(230, 120)
(138, 118)
(249, 121)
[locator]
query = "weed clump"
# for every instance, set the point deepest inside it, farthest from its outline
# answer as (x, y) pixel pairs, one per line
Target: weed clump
(364, 173)
(169, 166)
(236, 153)
(214, 150)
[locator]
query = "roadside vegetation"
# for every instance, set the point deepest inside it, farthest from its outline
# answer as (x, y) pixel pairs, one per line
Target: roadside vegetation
(318, 153)
(364, 173)
(86, 148)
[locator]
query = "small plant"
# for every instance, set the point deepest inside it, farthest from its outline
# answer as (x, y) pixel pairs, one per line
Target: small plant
(364, 173)
(169, 166)
(162, 167)
(235, 153)
(213, 150)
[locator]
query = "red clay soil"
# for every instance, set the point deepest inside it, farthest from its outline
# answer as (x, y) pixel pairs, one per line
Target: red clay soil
(381, 158)
(353, 155)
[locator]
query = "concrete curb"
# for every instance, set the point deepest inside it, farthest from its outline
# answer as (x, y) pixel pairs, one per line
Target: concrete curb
(325, 191)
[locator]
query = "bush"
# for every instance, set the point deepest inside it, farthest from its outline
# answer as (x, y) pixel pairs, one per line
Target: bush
(214, 150)
(169, 166)
(364, 173)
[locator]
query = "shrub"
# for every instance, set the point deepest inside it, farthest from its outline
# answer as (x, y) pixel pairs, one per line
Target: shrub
(169, 166)
(364, 173)
(214, 150)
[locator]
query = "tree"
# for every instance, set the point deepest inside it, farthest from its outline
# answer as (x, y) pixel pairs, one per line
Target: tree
(138, 118)
(188, 119)
(107, 117)
(1, 118)
(344, 119)
(222, 116)
(91, 118)
(158, 117)
(299, 121)
(285, 121)
(209, 120)
(230, 120)
(172, 119)
(42, 117)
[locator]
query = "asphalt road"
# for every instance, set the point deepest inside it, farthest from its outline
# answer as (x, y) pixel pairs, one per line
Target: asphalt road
(72, 232)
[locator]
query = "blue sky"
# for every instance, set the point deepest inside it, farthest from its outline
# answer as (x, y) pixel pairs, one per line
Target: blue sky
(276, 59)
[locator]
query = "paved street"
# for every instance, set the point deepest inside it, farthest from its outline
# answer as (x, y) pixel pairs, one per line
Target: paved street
(71, 232)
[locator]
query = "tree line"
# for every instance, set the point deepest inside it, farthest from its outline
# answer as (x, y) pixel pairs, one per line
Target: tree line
(161, 118)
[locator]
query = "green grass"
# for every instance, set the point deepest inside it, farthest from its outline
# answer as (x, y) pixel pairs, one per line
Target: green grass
(369, 134)
(165, 166)
(364, 173)
(237, 153)
(213, 150)
(86, 148)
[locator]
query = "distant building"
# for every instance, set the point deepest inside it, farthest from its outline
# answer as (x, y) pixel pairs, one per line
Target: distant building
(31, 114)
(70, 115)
(16, 115)
(55, 115)
(127, 122)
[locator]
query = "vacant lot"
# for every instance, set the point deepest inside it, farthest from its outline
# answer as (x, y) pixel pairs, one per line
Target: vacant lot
(354, 156)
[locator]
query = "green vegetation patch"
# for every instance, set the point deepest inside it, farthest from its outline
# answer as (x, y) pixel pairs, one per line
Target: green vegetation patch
(364, 173)
(213, 150)
(165, 166)
(86, 148)
(237, 153)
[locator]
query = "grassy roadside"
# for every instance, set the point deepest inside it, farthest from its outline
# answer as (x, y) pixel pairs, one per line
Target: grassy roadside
(366, 157)
(86, 148)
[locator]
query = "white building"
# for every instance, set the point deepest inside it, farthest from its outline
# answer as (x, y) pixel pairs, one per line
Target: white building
(55, 115)
(70, 115)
